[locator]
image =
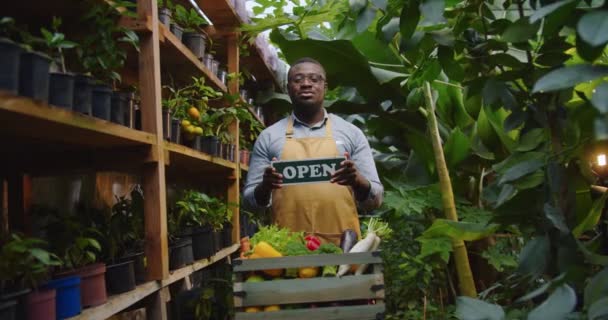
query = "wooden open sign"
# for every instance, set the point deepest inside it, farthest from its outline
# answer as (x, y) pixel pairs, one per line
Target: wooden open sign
(307, 171)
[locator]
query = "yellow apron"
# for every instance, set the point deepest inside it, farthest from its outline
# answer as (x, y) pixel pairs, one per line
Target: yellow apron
(323, 209)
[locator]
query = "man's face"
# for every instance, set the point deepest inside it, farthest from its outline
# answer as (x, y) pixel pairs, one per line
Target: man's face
(306, 85)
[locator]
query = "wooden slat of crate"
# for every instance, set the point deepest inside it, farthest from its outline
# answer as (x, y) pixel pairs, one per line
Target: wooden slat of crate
(323, 289)
(365, 312)
(241, 265)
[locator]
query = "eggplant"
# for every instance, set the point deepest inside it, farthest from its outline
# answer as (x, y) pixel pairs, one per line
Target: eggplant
(347, 240)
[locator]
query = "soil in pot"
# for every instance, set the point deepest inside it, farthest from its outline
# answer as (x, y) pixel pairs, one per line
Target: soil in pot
(40, 304)
(196, 42)
(34, 75)
(120, 277)
(102, 102)
(180, 253)
(119, 106)
(202, 242)
(83, 94)
(164, 16)
(92, 285)
(67, 299)
(177, 31)
(61, 90)
(10, 53)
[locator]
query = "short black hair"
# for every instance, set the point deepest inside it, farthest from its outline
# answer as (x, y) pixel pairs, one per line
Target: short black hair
(306, 60)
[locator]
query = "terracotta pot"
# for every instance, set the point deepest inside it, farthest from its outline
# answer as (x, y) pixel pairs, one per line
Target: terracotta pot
(92, 285)
(40, 304)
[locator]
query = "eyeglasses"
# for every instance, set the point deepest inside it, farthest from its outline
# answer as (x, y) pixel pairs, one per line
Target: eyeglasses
(313, 77)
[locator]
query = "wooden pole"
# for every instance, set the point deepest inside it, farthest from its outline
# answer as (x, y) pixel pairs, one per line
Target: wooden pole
(234, 183)
(461, 258)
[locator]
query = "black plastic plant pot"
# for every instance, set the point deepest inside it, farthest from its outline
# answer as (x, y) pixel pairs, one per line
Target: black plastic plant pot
(166, 118)
(8, 310)
(119, 107)
(83, 94)
(215, 147)
(180, 253)
(196, 43)
(164, 16)
(61, 90)
(34, 75)
(120, 277)
(12, 304)
(139, 265)
(202, 243)
(227, 235)
(199, 143)
(218, 240)
(102, 102)
(175, 131)
(177, 31)
(10, 53)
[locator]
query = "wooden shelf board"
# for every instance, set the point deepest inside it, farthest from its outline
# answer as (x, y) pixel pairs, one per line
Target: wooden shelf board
(27, 118)
(244, 167)
(188, 159)
(117, 303)
(221, 13)
(177, 59)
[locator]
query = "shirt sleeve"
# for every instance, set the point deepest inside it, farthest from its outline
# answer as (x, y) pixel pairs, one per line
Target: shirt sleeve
(364, 161)
(259, 160)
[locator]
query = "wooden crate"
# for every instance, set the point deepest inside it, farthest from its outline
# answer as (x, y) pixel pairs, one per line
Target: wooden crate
(317, 290)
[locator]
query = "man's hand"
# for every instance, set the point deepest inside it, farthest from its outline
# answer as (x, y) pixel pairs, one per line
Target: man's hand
(271, 180)
(348, 175)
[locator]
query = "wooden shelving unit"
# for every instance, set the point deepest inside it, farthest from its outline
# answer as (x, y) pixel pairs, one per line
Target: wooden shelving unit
(42, 139)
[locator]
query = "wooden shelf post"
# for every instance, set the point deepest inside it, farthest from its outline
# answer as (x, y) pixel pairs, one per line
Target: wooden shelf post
(233, 88)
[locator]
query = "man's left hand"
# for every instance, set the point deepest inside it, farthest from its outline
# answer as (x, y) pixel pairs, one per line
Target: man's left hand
(348, 175)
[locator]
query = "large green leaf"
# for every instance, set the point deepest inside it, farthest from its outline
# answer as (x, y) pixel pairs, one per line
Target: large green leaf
(557, 306)
(390, 29)
(600, 97)
(457, 148)
(521, 31)
(439, 245)
(556, 217)
(459, 230)
(531, 139)
(597, 288)
(546, 10)
(366, 18)
(496, 118)
(474, 309)
(410, 16)
(593, 27)
(451, 68)
(567, 77)
(534, 256)
(375, 50)
(592, 217)
(519, 170)
(516, 158)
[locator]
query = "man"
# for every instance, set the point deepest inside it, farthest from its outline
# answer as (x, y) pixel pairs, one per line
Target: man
(322, 209)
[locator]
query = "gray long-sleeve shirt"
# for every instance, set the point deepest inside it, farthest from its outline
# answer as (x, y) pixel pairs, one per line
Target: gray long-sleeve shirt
(348, 138)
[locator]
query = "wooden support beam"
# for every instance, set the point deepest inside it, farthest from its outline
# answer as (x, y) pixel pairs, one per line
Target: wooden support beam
(156, 307)
(234, 184)
(155, 197)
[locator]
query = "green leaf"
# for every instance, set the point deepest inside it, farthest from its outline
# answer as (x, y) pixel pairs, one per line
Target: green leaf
(519, 170)
(451, 68)
(546, 10)
(521, 31)
(439, 245)
(556, 217)
(557, 306)
(41, 255)
(457, 148)
(586, 51)
(507, 192)
(357, 5)
(593, 27)
(496, 91)
(410, 16)
(534, 256)
(567, 77)
(432, 11)
(474, 309)
(600, 97)
(366, 18)
(459, 230)
(599, 309)
(504, 59)
(597, 288)
(531, 140)
(592, 218)
(516, 158)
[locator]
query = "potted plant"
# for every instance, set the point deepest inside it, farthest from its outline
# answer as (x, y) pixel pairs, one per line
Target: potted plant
(191, 22)
(61, 84)
(9, 57)
(123, 238)
(24, 264)
(165, 7)
(101, 54)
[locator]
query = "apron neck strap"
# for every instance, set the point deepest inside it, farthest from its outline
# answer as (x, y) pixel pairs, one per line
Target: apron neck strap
(289, 131)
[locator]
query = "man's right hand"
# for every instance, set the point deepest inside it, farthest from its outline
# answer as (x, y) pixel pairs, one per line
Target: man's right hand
(271, 180)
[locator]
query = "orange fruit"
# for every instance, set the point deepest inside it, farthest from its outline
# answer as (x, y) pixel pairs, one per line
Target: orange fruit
(185, 123)
(194, 113)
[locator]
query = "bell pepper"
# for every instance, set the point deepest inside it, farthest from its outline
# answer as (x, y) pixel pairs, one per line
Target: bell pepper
(265, 250)
(312, 242)
(308, 272)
